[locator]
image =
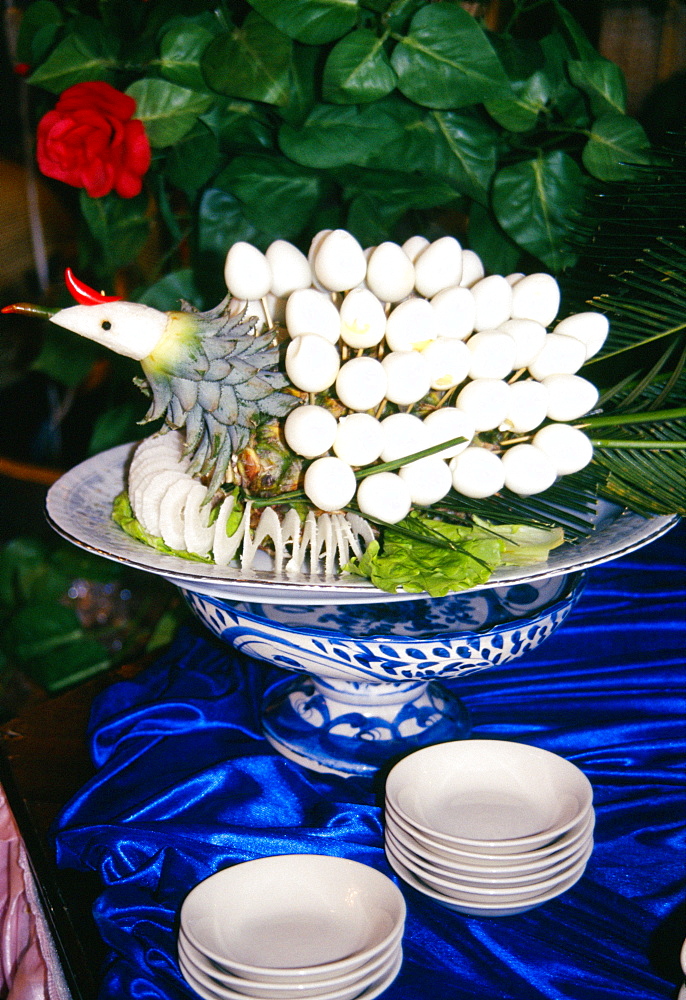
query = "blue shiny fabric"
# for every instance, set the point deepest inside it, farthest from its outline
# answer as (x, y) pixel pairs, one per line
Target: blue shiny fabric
(186, 785)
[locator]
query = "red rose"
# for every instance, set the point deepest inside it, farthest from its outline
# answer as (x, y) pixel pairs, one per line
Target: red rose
(90, 140)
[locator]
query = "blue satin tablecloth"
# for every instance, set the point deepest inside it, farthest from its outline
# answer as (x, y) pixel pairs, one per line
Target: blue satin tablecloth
(186, 785)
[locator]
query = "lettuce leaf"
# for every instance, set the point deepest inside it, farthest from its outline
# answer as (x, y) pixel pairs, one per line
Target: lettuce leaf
(123, 515)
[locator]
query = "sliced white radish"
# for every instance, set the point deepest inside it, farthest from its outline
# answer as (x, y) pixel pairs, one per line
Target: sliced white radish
(492, 354)
(428, 480)
(225, 547)
(310, 430)
(247, 272)
(151, 498)
(390, 272)
(493, 298)
(197, 531)
(566, 447)
(329, 483)
(536, 296)
(361, 383)
(411, 325)
(559, 355)
(339, 261)
(438, 266)
(172, 512)
(527, 470)
(570, 396)
(472, 268)
(454, 312)
(527, 406)
(448, 361)
(362, 319)
(311, 311)
(384, 496)
(312, 362)
(447, 423)
(591, 328)
(359, 439)
(477, 473)
(289, 266)
(486, 401)
(408, 377)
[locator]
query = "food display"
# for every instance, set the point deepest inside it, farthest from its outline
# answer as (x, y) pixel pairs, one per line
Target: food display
(335, 407)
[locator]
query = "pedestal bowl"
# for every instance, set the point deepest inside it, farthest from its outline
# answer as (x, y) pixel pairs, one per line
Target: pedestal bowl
(368, 689)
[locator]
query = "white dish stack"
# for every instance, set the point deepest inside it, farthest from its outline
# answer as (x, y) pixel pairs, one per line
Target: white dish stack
(290, 926)
(488, 827)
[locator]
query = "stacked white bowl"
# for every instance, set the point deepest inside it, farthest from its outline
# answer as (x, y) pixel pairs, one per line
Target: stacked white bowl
(290, 926)
(488, 827)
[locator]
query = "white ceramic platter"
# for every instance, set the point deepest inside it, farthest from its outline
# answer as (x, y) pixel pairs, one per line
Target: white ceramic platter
(79, 508)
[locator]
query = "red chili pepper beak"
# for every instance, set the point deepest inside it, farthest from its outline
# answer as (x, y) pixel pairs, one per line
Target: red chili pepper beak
(83, 294)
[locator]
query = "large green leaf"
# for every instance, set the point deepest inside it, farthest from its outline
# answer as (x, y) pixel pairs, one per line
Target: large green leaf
(519, 111)
(534, 201)
(120, 227)
(222, 222)
(333, 135)
(37, 31)
(304, 83)
(446, 60)
(252, 62)
(604, 83)
(615, 146)
(498, 252)
(181, 51)
(193, 159)
(167, 110)
(457, 146)
(87, 53)
(565, 99)
(170, 291)
(277, 196)
(239, 124)
(358, 70)
(315, 22)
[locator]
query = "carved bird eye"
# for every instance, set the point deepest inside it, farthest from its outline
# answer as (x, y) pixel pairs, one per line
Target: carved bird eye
(106, 325)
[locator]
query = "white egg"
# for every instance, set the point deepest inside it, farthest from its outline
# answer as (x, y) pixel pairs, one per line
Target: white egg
(359, 439)
(536, 296)
(404, 434)
(408, 377)
(251, 310)
(492, 354)
(527, 407)
(363, 320)
(411, 325)
(472, 268)
(527, 470)
(448, 362)
(559, 355)
(570, 396)
(390, 272)
(454, 312)
(567, 447)
(247, 272)
(311, 311)
(591, 328)
(428, 480)
(289, 266)
(438, 266)
(493, 298)
(528, 336)
(514, 277)
(310, 430)
(384, 496)
(361, 383)
(486, 401)
(329, 483)
(477, 473)
(446, 423)
(339, 262)
(312, 362)
(414, 246)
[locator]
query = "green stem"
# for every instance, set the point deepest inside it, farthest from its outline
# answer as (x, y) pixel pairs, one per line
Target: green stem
(637, 445)
(621, 419)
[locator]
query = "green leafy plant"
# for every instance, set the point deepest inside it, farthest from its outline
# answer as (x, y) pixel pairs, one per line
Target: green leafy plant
(276, 118)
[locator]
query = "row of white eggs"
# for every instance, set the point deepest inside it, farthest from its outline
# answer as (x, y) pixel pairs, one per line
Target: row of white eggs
(360, 440)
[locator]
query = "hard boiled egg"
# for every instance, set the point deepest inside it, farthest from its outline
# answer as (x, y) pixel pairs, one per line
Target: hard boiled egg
(404, 434)
(559, 355)
(446, 423)
(414, 246)
(384, 496)
(493, 298)
(311, 311)
(566, 447)
(312, 363)
(528, 470)
(486, 401)
(390, 272)
(339, 261)
(362, 319)
(454, 312)
(408, 377)
(361, 383)
(359, 439)
(310, 430)
(477, 473)
(411, 325)
(591, 328)
(472, 268)
(329, 483)
(438, 266)
(529, 337)
(428, 480)
(492, 354)
(536, 296)
(527, 406)
(448, 362)
(289, 266)
(570, 396)
(247, 272)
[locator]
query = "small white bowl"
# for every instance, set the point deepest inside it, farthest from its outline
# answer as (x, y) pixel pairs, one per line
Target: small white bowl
(497, 909)
(293, 914)
(489, 795)
(474, 877)
(496, 864)
(503, 893)
(288, 988)
(365, 989)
